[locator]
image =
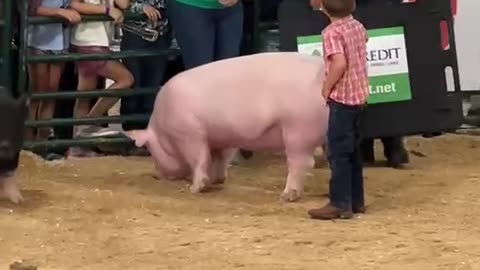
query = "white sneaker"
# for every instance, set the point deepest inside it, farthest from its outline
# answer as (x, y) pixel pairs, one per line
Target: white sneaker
(96, 131)
(79, 152)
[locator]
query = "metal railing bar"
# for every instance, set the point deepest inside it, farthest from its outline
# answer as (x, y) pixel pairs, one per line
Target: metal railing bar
(28, 145)
(87, 121)
(171, 53)
(22, 49)
(74, 94)
(5, 39)
(32, 20)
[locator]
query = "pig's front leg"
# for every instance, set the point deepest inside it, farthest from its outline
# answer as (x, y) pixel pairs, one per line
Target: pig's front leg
(197, 154)
(298, 164)
(9, 188)
(300, 140)
(219, 167)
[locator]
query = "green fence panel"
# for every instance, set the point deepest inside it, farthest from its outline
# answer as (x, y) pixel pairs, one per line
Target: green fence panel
(25, 59)
(93, 94)
(5, 43)
(55, 144)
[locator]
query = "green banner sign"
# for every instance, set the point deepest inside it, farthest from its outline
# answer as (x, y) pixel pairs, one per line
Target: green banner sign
(387, 63)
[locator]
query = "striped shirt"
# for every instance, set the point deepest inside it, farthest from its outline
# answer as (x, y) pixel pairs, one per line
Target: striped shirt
(347, 36)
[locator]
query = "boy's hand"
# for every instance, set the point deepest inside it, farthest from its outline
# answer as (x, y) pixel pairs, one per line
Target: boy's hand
(337, 66)
(152, 13)
(70, 15)
(116, 14)
(326, 92)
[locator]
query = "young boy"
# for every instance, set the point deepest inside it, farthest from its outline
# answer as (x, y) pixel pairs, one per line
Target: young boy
(346, 90)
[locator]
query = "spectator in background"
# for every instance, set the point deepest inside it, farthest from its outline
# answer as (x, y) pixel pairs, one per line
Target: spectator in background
(206, 30)
(95, 37)
(393, 147)
(50, 39)
(148, 72)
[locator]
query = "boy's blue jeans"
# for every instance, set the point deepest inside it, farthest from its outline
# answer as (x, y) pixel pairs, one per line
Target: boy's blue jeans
(344, 156)
(206, 35)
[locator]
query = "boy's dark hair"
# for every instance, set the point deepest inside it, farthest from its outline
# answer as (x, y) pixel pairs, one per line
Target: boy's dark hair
(339, 8)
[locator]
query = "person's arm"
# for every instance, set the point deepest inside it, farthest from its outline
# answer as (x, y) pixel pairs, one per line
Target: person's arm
(138, 7)
(122, 4)
(93, 9)
(365, 32)
(337, 65)
(68, 14)
(88, 9)
(49, 12)
(336, 61)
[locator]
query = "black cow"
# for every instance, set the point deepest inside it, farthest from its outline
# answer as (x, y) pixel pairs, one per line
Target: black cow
(13, 113)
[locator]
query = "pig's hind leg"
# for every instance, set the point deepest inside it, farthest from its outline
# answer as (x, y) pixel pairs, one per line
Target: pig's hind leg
(299, 149)
(219, 166)
(197, 154)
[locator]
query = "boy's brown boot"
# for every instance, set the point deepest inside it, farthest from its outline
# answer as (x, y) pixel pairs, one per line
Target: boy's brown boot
(330, 212)
(359, 209)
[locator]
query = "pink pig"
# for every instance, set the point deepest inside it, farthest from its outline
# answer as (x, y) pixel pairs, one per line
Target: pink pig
(265, 101)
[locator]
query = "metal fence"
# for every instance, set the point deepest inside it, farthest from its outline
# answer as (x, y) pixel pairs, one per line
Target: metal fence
(17, 80)
(25, 59)
(5, 44)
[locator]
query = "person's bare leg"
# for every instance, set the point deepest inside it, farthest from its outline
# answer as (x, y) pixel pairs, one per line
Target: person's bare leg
(37, 73)
(81, 110)
(82, 106)
(47, 107)
(122, 78)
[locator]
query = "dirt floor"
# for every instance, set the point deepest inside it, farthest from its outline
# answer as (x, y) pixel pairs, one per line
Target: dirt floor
(109, 213)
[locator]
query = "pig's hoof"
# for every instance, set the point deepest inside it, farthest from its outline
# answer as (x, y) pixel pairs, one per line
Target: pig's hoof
(155, 176)
(199, 187)
(16, 198)
(219, 181)
(291, 195)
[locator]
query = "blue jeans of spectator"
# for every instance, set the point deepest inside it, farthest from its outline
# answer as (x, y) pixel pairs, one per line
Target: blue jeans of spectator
(344, 156)
(206, 35)
(147, 71)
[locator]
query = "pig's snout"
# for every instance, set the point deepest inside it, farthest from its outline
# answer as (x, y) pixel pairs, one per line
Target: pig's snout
(7, 151)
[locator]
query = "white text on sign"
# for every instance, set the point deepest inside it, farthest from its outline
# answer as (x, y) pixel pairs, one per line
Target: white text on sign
(380, 89)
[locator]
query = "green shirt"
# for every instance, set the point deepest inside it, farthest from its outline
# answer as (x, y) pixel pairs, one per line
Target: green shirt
(210, 4)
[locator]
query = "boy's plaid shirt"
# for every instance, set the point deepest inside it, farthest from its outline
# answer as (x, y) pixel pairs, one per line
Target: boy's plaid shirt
(347, 36)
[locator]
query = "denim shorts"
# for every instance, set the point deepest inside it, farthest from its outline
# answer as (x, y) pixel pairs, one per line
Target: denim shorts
(36, 51)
